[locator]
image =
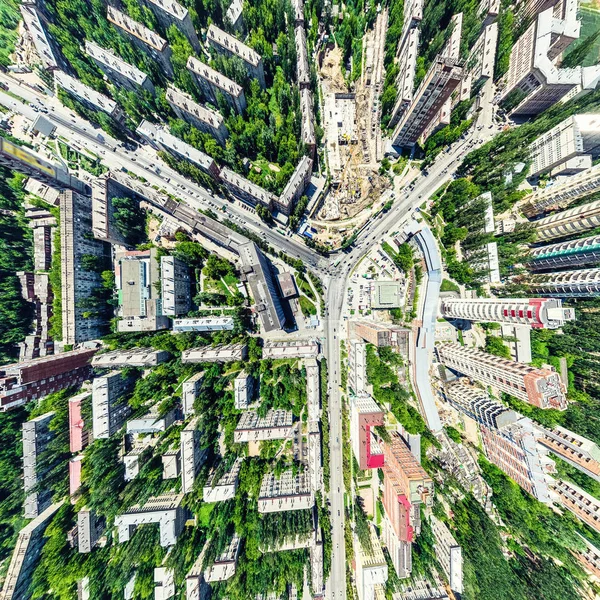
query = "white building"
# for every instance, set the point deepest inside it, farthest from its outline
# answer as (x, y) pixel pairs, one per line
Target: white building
(109, 410)
(449, 554)
(357, 366)
(222, 486)
(136, 357)
(293, 349)
(153, 421)
(204, 324)
(191, 388)
(192, 455)
(286, 492)
(243, 389)
(371, 568)
(276, 425)
(221, 353)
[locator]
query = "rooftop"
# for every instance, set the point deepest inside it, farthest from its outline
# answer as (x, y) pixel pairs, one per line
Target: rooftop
(214, 77)
(274, 418)
(295, 181)
(254, 190)
(173, 8)
(287, 484)
(135, 29)
(115, 62)
(75, 87)
(223, 39)
(187, 104)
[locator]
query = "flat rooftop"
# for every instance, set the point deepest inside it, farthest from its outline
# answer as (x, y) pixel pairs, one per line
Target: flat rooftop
(274, 418)
(116, 63)
(365, 404)
(157, 503)
(222, 352)
(287, 484)
(214, 77)
(223, 39)
(137, 30)
(291, 349)
(38, 34)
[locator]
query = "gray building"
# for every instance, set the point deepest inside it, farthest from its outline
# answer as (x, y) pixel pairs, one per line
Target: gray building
(257, 270)
(117, 70)
(246, 190)
(170, 12)
(136, 357)
(226, 44)
(192, 455)
(145, 39)
(564, 255)
(302, 67)
(89, 529)
(234, 15)
(109, 409)
(212, 84)
(36, 437)
(79, 324)
(295, 186)
(195, 114)
(307, 124)
(582, 283)
(175, 282)
(191, 389)
(41, 39)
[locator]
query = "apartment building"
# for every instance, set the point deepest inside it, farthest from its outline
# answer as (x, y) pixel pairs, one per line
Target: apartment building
(198, 115)
(212, 85)
(79, 431)
(109, 408)
(78, 284)
(192, 454)
(583, 283)
(541, 387)
(235, 16)
(226, 44)
(537, 313)
(567, 148)
(302, 65)
(483, 55)
(175, 281)
(371, 568)
(276, 425)
(119, 72)
(170, 12)
(562, 192)
(145, 39)
(448, 553)
(136, 357)
(294, 349)
(569, 222)
(307, 123)
(190, 391)
(36, 289)
(89, 530)
(256, 270)
(163, 141)
(365, 414)
(566, 255)
(583, 505)
(204, 324)
(37, 436)
(442, 79)
(408, 51)
(39, 36)
(154, 421)
(285, 492)
(357, 366)
(222, 486)
(245, 190)
(383, 334)
(243, 390)
(33, 379)
(295, 186)
(220, 353)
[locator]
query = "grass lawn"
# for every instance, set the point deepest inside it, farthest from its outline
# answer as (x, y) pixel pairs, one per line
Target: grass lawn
(305, 286)
(449, 286)
(308, 308)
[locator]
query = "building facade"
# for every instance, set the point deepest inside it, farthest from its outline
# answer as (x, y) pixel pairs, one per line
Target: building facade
(565, 255)
(109, 408)
(569, 222)
(583, 283)
(175, 281)
(170, 12)
(365, 414)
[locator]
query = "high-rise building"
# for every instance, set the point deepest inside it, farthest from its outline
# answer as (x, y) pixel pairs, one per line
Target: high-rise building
(191, 389)
(442, 79)
(448, 553)
(480, 64)
(243, 389)
(565, 255)
(569, 222)
(541, 387)
(175, 283)
(365, 414)
(226, 44)
(213, 84)
(408, 51)
(79, 430)
(538, 313)
(43, 43)
(192, 455)
(561, 193)
(533, 73)
(567, 148)
(170, 12)
(583, 505)
(109, 410)
(33, 379)
(357, 366)
(145, 39)
(584, 283)
(371, 567)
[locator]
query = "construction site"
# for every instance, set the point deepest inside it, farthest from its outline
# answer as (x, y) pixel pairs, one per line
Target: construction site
(353, 136)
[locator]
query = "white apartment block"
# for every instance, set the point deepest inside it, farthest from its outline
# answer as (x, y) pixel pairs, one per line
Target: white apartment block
(191, 389)
(567, 148)
(89, 529)
(204, 324)
(108, 410)
(164, 583)
(583, 283)
(371, 567)
(400, 551)
(192, 455)
(40, 38)
(295, 186)
(165, 510)
(171, 464)
(170, 12)
(36, 435)
(152, 421)
(222, 486)
(221, 353)
(480, 64)
(286, 492)
(449, 554)
(226, 44)
(243, 389)
(136, 357)
(538, 313)
(407, 66)
(541, 387)
(566, 255)
(293, 349)
(357, 366)
(276, 425)
(313, 389)
(569, 222)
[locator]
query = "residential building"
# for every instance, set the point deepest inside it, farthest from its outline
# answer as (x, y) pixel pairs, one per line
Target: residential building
(371, 567)
(175, 282)
(243, 390)
(201, 117)
(25, 556)
(307, 123)
(383, 334)
(109, 408)
(89, 530)
(565, 255)
(583, 283)
(407, 66)
(539, 387)
(78, 284)
(136, 458)
(204, 324)
(583, 505)
(171, 464)
(192, 455)
(285, 492)
(145, 39)
(257, 271)
(294, 349)
(295, 186)
(357, 366)
(400, 550)
(567, 148)
(480, 64)
(165, 510)
(33, 379)
(119, 72)
(224, 565)
(221, 485)
(79, 431)
(569, 222)
(36, 289)
(514, 450)
(235, 16)
(39, 36)
(365, 414)
(448, 553)
(103, 219)
(37, 435)
(163, 141)
(578, 451)
(220, 353)
(537, 313)
(442, 79)
(287, 285)
(226, 44)
(590, 558)
(562, 192)
(137, 275)
(212, 85)
(302, 66)
(136, 357)
(191, 389)
(153, 421)
(245, 190)
(276, 425)
(89, 97)
(170, 12)
(164, 583)
(533, 73)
